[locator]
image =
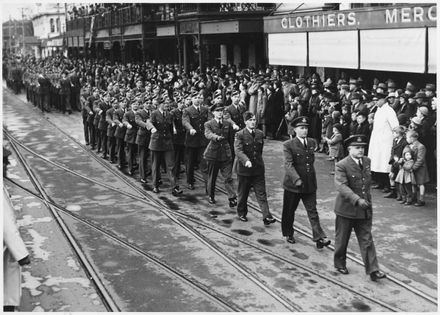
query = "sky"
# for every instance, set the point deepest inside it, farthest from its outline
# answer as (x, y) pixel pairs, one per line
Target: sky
(13, 9)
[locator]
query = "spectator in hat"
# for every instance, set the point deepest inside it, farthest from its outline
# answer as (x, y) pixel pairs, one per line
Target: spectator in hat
(262, 107)
(304, 96)
(406, 110)
(363, 127)
(250, 169)
(357, 103)
(419, 168)
(253, 93)
(275, 110)
(354, 209)
(288, 89)
(399, 143)
(381, 142)
(300, 183)
(314, 113)
(292, 114)
(218, 154)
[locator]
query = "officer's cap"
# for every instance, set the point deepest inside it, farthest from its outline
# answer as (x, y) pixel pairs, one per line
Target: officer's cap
(356, 140)
(247, 116)
(235, 92)
(217, 108)
(300, 121)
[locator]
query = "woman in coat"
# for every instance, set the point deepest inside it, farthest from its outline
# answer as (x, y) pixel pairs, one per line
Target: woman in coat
(261, 107)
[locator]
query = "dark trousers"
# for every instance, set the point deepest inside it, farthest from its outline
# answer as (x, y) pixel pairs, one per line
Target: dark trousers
(111, 143)
(86, 130)
(193, 155)
(92, 134)
(157, 157)
(74, 99)
(244, 185)
(362, 228)
(131, 155)
(225, 168)
(143, 160)
(290, 203)
(120, 151)
(179, 154)
(44, 102)
(407, 192)
(97, 137)
(104, 140)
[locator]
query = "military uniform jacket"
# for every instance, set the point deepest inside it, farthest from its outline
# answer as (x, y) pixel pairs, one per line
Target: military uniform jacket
(44, 85)
(129, 118)
(102, 125)
(117, 118)
(91, 100)
(83, 99)
(192, 119)
(218, 150)
(143, 135)
(179, 137)
(236, 114)
(248, 148)
(96, 109)
(109, 119)
(352, 184)
(162, 140)
(64, 86)
(298, 164)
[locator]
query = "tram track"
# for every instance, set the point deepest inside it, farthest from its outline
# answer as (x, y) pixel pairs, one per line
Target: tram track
(146, 198)
(163, 209)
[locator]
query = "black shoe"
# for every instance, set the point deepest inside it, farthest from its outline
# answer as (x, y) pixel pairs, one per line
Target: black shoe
(322, 242)
(143, 181)
(399, 198)
(377, 187)
(99, 151)
(211, 200)
(419, 203)
(268, 221)
(87, 143)
(176, 191)
(392, 194)
(243, 218)
(191, 186)
(290, 239)
(342, 270)
(156, 190)
(104, 157)
(386, 190)
(232, 202)
(130, 172)
(376, 275)
(112, 161)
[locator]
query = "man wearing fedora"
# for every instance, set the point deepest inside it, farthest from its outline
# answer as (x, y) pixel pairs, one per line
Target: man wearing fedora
(353, 207)
(300, 182)
(218, 154)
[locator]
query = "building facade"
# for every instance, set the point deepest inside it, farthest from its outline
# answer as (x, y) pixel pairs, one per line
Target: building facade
(396, 40)
(13, 40)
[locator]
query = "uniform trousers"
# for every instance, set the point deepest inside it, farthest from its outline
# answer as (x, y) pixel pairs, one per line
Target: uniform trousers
(362, 228)
(92, 134)
(86, 130)
(192, 156)
(225, 167)
(104, 140)
(111, 143)
(290, 203)
(244, 185)
(120, 151)
(143, 160)
(131, 155)
(179, 154)
(157, 157)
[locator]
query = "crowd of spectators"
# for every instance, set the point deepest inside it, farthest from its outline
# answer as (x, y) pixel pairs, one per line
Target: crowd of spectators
(336, 107)
(95, 8)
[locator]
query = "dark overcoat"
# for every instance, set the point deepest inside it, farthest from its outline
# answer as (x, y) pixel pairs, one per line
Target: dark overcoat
(248, 148)
(218, 150)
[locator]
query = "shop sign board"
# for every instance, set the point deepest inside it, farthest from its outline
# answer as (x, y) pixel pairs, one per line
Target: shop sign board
(190, 27)
(107, 44)
(392, 17)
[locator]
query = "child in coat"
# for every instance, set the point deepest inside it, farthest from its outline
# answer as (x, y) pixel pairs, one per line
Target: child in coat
(336, 144)
(406, 179)
(419, 168)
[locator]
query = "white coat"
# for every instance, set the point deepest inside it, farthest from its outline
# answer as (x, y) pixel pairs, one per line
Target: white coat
(14, 250)
(381, 141)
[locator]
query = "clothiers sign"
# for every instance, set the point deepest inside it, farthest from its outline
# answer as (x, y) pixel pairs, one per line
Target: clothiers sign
(392, 17)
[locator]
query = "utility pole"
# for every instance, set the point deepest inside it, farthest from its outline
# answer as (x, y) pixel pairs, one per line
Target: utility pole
(10, 37)
(22, 30)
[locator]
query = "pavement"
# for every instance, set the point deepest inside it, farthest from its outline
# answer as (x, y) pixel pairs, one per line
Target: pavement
(405, 237)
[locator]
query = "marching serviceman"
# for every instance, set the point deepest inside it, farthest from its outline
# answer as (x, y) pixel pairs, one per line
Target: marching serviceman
(111, 128)
(129, 121)
(250, 168)
(65, 92)
(193, 119)
(90, 105)
(161, 146)
(85, 94)
(103, 124)
(143, 140)
(300, 182)
(218, 155)
(234, 114)
(353, 207)
(120, 134)
(179, 134)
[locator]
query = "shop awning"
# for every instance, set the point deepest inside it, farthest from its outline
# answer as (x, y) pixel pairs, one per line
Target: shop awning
(333, 49)
(400, 49)
(287, 49)
(432, 50)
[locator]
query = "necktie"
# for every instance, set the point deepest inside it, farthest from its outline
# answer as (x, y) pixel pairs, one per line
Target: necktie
(360, 164)
(220, 124)
(253, 133)
(305, 143)
(198, 109)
